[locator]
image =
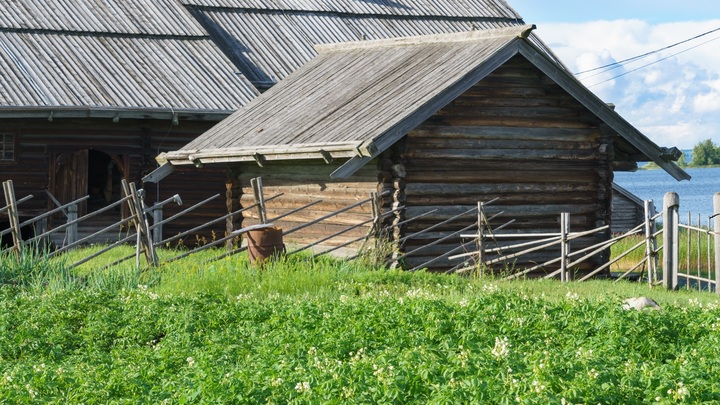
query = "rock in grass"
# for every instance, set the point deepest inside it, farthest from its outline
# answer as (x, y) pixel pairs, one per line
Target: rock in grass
(640, 303)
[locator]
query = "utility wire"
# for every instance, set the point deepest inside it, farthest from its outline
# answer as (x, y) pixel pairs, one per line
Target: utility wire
(617, 64)
(654, 62)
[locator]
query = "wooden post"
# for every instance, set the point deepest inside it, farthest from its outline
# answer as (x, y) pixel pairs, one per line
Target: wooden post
(257, 188)
(157, 231)
(13, 215)
(671, 247)
(141, 226)
(71, 233)
(716, 229)
(564, 245)
(480, 236)
(650, 256)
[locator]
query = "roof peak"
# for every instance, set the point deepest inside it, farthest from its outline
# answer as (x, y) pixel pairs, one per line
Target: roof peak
(520, 31)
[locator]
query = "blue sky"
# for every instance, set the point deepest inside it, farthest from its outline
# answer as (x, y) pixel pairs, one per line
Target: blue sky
(675, 100)
(545, 11)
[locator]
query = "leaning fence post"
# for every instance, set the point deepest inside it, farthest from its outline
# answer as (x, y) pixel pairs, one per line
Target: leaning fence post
(13, 216)
(564, 247)
(716, 229)
(71, 233)
(671, 245)
(650, 255)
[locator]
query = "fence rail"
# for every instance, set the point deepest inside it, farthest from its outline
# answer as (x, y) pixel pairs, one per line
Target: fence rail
(695, 262)
(701, 257)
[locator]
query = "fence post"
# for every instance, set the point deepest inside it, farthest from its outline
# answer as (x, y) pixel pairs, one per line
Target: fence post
(157, 232)
(716, 229)
(480, 236)
(671, 245)
(13, 216)
(650, 254)
(71, 233)
(564, 246)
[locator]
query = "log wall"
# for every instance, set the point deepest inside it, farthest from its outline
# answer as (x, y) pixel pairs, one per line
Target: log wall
(626, 213)
(302, 183)
(135, 143)
(518, 136)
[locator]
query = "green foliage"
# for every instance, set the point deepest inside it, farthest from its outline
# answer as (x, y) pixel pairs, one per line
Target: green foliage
(706, 153)
(306, 330)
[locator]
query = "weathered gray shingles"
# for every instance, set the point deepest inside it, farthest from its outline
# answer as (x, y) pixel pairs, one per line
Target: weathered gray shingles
(151, 17)
(278, 44)
(444, 8)
(354, 95)
(90, 71)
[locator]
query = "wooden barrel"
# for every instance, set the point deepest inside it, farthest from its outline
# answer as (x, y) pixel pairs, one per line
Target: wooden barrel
(264, 243)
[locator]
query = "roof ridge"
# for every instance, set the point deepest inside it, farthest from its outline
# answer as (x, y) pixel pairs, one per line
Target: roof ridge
(521, 31)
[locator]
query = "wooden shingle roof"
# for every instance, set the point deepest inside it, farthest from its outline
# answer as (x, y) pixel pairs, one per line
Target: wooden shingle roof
(355, 100)
(105, 57)
(268, 40)
(421, 8)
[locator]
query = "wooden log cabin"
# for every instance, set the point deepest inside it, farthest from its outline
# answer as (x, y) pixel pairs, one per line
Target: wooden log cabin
(440, 123)
(91, 91)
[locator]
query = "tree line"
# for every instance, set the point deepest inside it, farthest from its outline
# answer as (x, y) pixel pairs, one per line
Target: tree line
(705, 153)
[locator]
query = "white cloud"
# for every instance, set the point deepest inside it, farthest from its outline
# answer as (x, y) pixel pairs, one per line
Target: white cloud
(674, 101)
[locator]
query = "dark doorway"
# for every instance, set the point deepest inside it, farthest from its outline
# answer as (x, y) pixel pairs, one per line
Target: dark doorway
(104, 177)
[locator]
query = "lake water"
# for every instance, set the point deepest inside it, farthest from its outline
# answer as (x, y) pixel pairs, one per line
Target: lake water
(696, 195)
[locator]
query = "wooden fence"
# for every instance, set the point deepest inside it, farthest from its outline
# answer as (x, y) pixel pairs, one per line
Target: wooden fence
(694, 262)
(146, 234)
(697, 265)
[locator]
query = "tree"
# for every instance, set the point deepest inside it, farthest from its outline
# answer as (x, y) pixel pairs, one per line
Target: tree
(682, 162)
(705, 153)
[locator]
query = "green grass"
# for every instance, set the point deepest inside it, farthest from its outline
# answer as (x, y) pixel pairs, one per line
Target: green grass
(308, 330)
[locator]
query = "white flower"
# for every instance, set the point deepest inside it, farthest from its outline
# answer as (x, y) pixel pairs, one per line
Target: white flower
(191, 361)
(302, 387)
(490, 288)
(502, 348)
(276, 382)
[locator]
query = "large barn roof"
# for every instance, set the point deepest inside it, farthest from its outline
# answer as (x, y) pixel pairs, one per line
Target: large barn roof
(268, 40)
(105, 57)
(355, 100)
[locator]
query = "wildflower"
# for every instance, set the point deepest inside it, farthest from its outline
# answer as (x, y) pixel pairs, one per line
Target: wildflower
(191, 361)
(347, 392)
(502, 348)
(463, 303)
(572, 296)
(276, 382)
(302, 387)
(31, 391)
(537, 387)
(593, 374)
(490, 288)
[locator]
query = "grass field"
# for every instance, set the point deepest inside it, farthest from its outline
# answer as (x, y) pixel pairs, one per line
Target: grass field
(307, 331)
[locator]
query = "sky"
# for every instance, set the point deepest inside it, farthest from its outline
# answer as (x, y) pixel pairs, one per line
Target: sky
(675, 100)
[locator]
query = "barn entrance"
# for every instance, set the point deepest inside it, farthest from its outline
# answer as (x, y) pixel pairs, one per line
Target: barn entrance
(104, 175)
(87, 172)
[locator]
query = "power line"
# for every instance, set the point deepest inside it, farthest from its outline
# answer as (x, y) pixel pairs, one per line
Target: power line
(615, 65)
(654, 62)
